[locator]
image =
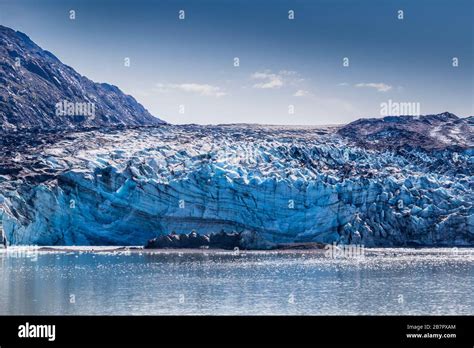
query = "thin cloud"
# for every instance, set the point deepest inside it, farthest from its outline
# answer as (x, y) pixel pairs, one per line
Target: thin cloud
(268, 80)
(381, 87)
(201, 89)
(301, 93)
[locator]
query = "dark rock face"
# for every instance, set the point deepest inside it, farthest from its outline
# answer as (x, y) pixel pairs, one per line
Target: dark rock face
(224, 240)
(191, 240)
(178, 241)
(430, 132)
(194, 240)
(246, 240)
(33, 81)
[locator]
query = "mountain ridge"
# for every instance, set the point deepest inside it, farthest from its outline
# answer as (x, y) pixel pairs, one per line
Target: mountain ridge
(434, 131)
(35, 84)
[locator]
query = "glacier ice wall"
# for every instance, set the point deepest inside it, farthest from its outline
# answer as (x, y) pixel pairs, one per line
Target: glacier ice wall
(288, 184)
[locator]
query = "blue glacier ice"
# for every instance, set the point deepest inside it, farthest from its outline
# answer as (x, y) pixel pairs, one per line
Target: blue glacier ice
(286, 184)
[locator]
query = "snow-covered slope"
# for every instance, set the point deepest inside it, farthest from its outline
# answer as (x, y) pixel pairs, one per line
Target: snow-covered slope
(288, 184)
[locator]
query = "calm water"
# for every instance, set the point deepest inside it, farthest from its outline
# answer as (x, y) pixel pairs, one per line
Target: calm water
(389, 281)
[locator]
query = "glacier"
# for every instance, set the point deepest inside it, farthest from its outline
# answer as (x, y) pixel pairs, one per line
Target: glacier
(286, 184)
(124, 176)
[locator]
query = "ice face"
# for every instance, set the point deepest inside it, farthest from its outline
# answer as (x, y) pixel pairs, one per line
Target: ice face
(288, 184)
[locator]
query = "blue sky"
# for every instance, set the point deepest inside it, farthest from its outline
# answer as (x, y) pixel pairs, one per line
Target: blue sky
(283, 62)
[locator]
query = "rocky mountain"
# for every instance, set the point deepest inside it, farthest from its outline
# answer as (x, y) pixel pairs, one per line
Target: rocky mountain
(37, 91)
(282, 184)
(427, 132)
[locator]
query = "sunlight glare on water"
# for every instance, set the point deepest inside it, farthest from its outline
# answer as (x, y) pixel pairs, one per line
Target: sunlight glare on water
(107, 281)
